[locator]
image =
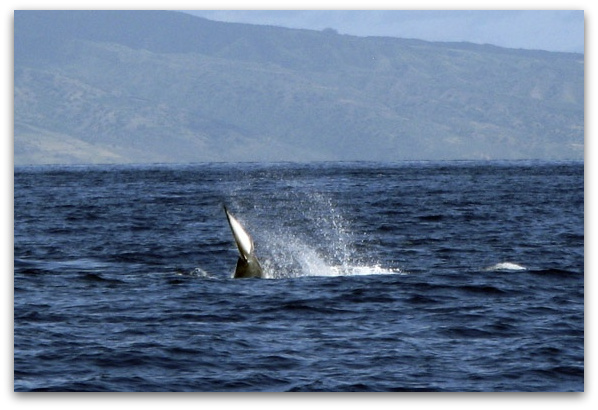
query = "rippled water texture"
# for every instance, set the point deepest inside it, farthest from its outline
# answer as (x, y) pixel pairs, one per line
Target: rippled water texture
(380, 277)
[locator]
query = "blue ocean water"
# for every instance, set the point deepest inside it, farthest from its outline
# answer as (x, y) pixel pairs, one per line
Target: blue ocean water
(417, 276)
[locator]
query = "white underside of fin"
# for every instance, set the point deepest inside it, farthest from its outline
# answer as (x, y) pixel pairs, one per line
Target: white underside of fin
(244, 241)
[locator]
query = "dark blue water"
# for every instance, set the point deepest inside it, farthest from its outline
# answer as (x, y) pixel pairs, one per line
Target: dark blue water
(382, 277)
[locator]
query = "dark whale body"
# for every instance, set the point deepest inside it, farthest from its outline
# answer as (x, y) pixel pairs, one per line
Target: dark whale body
(247, 265)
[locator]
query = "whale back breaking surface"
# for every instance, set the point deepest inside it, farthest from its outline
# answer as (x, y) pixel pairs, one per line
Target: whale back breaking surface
(247, 265)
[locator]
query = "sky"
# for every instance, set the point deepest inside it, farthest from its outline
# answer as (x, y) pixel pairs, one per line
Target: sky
(552, 30)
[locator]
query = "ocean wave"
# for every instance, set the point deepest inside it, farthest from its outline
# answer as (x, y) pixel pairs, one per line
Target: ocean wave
(505, 266)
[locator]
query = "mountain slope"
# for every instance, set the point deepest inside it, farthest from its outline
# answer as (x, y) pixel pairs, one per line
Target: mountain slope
(117, 86)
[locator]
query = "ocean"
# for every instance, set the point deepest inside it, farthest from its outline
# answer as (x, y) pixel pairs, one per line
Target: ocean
(409, 276)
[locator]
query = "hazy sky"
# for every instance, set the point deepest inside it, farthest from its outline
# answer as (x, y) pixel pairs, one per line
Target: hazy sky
(543, 30)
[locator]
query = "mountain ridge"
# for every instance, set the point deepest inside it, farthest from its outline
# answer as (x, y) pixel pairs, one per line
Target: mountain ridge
(124, 87)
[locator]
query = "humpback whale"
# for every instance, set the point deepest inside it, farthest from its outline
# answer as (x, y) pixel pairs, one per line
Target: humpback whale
(247, 264)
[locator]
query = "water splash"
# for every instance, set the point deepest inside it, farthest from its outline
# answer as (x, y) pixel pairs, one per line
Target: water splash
(199, 273)
(505, 266)
(313, 240)
(298, 259)
(303, 234)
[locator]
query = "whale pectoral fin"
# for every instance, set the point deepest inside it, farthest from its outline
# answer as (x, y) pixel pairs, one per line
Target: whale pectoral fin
(247, 264)
(242, 238)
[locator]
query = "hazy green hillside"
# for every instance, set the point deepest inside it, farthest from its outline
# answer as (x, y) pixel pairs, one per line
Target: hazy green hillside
(97, 87)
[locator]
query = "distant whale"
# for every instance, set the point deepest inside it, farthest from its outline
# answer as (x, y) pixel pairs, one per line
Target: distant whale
(247, 264)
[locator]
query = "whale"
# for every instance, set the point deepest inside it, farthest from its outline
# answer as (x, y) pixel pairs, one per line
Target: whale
(247, 265)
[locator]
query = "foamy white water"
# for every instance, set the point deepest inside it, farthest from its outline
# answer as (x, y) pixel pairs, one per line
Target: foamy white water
(505, 266)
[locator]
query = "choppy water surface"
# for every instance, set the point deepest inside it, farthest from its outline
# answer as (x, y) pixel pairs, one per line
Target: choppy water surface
(381, 277)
